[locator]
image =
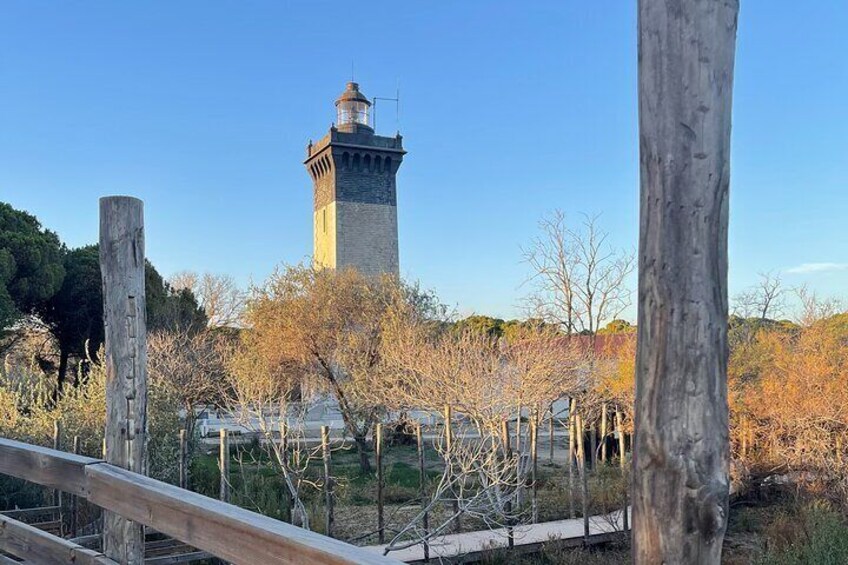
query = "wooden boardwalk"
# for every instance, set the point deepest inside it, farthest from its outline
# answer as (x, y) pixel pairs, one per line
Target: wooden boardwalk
(469, 546)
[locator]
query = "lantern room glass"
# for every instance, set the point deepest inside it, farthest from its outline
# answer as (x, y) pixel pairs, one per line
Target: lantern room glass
(354, 112)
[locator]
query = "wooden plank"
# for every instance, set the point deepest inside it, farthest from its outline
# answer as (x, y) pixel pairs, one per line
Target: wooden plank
(44, 466)
(681, 452)
(125, 346)
(181, 558)
(22, 513)
(224, 530)
(32, 544)
(51, 527)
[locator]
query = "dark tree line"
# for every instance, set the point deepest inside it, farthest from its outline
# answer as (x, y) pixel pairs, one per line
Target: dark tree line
(41, 278)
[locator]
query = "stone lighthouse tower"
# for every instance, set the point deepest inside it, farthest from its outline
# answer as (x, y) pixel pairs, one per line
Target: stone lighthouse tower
(355, 192)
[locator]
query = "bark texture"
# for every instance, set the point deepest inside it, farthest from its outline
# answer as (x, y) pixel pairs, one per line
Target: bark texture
(122, 270)
(681, 452)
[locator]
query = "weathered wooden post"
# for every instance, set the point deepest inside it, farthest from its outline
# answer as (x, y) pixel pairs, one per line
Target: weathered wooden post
(507, 449)
(584, 477)
(287, 462)
(183, 460)
(681, 451)
(124, 318)
(551, 434)
(572, 431)
(534, 466)
(422, 477)
(518, 441)
(224, 464)
(593, 446)
(622, 459)
(74, 498)
(328, 481)
(448, 450)
(57, 445)
(378, 449)
(604, 432)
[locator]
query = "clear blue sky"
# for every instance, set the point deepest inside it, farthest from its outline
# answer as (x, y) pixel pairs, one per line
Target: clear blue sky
(509, 110)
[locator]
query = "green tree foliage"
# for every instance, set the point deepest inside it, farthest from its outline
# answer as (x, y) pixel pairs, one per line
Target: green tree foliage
(31, 269)
(498, 328)
(617, 327)
(75, 313)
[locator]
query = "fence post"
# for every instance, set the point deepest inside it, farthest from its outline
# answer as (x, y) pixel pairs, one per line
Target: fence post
(619, 426)
(287, 463)
(378, 448)
(183, 473)
(572, 431)
(75, 499)
(584, 479)
(593, 446)
(508, 504)
(124, 317)
(422, 474)
(224, 464)
(551, 433)
(57, 445)
(534, 460)
(328, 480)
(604, 432)
(518, 442)
(449, 450)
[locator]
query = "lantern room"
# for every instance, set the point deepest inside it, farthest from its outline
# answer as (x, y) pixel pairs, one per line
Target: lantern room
(353, 110)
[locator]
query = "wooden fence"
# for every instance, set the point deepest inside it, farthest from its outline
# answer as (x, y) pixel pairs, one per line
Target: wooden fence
(223, 530)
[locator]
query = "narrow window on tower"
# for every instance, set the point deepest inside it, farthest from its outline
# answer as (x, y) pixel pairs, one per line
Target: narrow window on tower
(324, 219)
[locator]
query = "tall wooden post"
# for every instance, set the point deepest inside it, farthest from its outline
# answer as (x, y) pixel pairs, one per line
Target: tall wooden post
(572, 430)
(422, 477)
(584, 477)
(183, 460)
(507, 448)
(124, 318)
(378, 445)
(57, 445)
(74, 498)
(593, 446)
(551, 434)
(224, 464)
(604, 432)
(457, 525)
(681, 451)
(534, 466)
(622, 459)
(284, 446)
(328, 481)
(518, 441)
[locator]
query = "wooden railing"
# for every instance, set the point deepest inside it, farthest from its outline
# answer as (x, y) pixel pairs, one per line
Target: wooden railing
(223, 530)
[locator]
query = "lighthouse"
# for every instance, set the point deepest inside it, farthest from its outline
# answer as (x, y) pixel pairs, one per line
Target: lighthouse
(354, 178)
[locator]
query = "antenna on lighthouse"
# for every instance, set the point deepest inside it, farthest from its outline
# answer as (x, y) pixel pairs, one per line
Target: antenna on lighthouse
(396, 100)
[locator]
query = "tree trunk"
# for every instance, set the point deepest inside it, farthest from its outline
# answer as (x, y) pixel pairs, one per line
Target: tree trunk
(681, 452)
(362, 450)
(63, 367)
